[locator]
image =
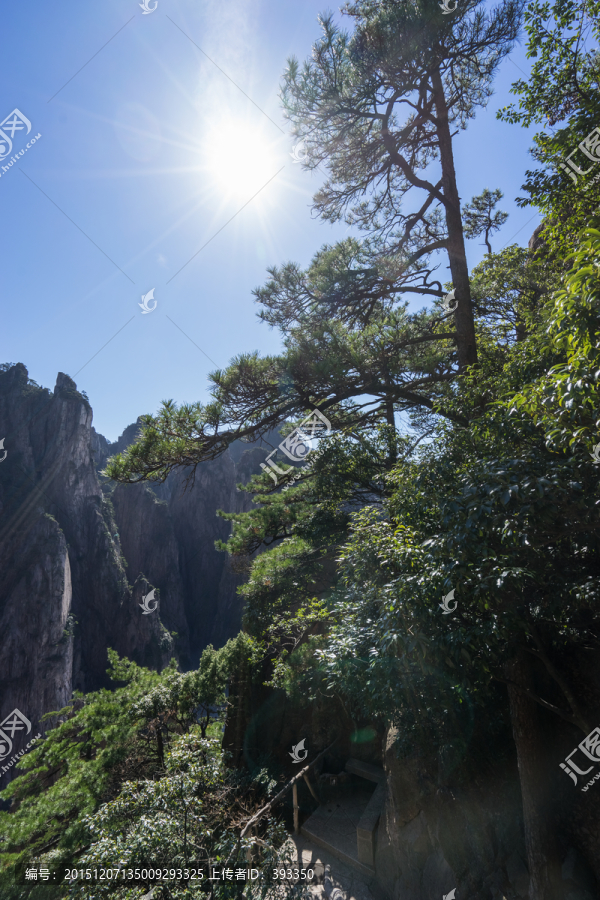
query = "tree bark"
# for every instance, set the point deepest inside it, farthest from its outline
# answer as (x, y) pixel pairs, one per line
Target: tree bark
(236, 719)
(160, 745)
(465, 324)
(540, 841)
(296, 809)
(391, 421)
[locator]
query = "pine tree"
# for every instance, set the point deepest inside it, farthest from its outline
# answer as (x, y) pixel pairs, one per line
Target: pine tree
(378, 108)
(479, 216)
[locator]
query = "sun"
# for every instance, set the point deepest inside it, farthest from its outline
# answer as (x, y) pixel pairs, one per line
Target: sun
(239, 160)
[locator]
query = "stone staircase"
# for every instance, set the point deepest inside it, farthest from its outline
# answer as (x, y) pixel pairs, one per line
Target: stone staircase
(347, 826)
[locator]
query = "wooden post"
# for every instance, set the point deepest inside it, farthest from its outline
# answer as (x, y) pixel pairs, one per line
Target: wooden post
(296, 817)
(269, 806)
(311, 789)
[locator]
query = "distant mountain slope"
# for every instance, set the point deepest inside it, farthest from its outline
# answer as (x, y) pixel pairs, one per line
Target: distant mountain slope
(76, 556)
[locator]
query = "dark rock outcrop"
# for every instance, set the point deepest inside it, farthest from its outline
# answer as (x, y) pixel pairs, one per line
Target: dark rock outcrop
(144, 530)
(64, 595)
(77, 556)
(168, 533)
(434, 838)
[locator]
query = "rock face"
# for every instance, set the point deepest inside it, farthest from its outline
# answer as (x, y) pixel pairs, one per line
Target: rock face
(433, 839)
(77, 557)
(469, 836)
(167, 534)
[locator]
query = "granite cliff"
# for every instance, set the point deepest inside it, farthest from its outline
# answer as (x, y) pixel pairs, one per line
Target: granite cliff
(77, 553)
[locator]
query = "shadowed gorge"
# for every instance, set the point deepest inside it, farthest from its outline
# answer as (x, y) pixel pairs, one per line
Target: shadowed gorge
(79, 553)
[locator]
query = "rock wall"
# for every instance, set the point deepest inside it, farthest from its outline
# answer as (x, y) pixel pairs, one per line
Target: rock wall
(167, 533)
(468, 836)
(77, 556)
(433, 838)
(145, 534)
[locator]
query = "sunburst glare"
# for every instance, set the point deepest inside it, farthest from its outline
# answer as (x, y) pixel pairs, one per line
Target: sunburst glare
(239, 160)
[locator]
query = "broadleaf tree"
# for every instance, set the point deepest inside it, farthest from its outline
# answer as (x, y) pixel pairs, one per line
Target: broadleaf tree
(562, 95)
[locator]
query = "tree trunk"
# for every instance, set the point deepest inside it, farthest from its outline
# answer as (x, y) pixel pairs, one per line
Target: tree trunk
(236, 719)
(160, 746)
(296, 809)
(391, 421)
(542, 850)
(465, 324)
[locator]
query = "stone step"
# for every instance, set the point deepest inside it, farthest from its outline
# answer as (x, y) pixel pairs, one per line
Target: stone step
(340, 854)
(365, 770)
(333, 826)
(366, 830)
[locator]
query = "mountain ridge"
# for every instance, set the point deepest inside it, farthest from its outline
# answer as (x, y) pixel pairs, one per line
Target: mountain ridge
(78, 553)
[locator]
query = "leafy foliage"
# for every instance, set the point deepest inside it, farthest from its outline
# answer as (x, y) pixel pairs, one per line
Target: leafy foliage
(104, 740)
(181, 821)
(461, 459)
(562, 41)
(565, 401)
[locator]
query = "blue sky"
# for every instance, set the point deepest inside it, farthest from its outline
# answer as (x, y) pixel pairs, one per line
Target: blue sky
(151, 152)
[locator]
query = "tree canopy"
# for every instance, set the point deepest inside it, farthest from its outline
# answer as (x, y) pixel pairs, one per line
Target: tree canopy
(460, 461)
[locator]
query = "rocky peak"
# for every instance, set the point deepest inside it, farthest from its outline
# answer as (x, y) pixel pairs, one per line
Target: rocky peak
(77, 555)
(64, 382)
